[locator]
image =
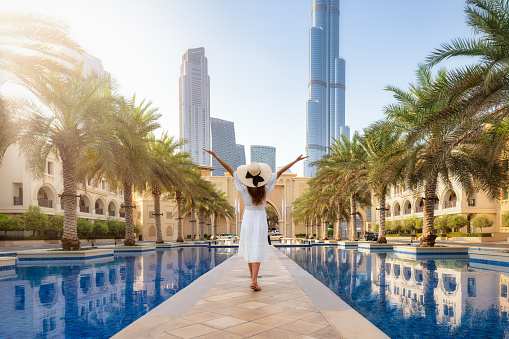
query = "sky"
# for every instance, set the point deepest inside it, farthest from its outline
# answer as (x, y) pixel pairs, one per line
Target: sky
(258, 55)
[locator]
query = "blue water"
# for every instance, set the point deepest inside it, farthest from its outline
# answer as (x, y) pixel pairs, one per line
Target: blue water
(99, 299)
(413, 298)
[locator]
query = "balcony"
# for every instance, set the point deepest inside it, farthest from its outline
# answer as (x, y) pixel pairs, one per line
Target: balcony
(388, 214)
(396, 213)
(419, 209)
(407, 211)
(45, 203)
(122, 214)
(450, 204)
(436, 207)
(471, 203)
(18, 201)
(99, 211)
(84, 209)
(111, 213)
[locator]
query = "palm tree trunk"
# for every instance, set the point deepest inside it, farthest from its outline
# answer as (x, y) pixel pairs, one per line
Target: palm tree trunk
(381, 227)
(428, 280)
(128, 203)
(215, 226)
(353, 218)
(178, 197)
(193, 220)
(156, 193)
(202, 222)
(340, 219)
(428, 230)
(209, 221)
(70, 238)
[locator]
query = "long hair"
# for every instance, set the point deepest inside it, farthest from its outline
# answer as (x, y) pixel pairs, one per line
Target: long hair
(257, 194)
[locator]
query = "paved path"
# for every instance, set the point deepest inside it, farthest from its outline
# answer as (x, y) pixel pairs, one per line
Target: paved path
(220, 304)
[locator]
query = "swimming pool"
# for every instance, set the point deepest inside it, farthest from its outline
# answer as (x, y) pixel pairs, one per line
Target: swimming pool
(99, 299)
(413, 298)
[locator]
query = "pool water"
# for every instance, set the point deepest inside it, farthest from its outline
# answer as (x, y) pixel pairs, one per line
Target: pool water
(413, 298)
(99, 299)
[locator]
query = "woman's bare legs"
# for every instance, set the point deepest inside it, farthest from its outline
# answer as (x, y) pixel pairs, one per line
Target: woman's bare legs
(250, 269)
(254, 268)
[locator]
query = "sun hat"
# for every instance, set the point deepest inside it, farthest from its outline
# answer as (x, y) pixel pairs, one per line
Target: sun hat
(256, 174)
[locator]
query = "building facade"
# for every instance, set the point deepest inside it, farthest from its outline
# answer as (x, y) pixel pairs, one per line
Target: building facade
(194, 105)
(325, 109)
(265, 154)
(223, 143)
(240, 156)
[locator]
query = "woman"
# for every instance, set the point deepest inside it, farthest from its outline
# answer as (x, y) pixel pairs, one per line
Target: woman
(254, 181)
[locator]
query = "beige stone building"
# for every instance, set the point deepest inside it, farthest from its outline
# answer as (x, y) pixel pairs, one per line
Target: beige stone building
(19, 190)
(402, 203)
(288, 188)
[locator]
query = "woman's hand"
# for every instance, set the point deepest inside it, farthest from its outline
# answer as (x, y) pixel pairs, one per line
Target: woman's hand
(300, 157)
(209, 152)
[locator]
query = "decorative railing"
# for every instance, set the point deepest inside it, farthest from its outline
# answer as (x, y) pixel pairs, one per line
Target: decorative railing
(45, 203)
(388, 214)
(18, 201)
(122, 214)
(407, 211)
(111, 213)
(99, 211)
(450, 204)
(419, 209)
(84, 209)
(396, 213)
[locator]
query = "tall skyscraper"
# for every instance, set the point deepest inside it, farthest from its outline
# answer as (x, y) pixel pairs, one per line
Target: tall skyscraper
(266, 154)
(240, 156)
(325, 109)
(195, 105)
(223, 143)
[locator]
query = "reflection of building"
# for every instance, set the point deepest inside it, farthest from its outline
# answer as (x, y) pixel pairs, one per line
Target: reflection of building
(455, 288)
(402, 203)
(265, 154)
(325, 109)
(195, 105)
(86, 300)
(223, 143)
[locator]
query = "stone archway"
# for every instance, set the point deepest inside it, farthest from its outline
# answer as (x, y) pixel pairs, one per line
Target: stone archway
(275, 225)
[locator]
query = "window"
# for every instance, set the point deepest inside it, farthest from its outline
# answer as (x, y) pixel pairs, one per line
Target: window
(471, 290)
(503, 291)
(50, 168)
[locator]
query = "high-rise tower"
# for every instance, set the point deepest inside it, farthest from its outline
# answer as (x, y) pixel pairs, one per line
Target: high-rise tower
(195, 105)
(325, 109)
(223, 143)
(265, 154)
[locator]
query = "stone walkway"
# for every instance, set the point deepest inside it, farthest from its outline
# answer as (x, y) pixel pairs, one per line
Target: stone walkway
(220, 304)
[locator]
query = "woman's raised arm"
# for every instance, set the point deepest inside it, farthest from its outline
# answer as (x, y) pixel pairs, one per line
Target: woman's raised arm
(284, 168)
(221, 161)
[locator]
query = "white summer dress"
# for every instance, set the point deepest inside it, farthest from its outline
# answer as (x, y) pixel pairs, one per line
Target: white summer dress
(253, 244)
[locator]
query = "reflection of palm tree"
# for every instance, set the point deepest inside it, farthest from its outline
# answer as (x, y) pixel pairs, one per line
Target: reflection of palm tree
(158, 291)
(70, 291)
(381, 280)
(353, 273)
(428, 274)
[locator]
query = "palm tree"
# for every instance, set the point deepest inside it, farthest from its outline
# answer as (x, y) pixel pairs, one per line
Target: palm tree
(123, 157)
(196, 188)
(74, 114)
(442, 150)
(34, 47)
(383, 146)
(220, 208)
(169, 168)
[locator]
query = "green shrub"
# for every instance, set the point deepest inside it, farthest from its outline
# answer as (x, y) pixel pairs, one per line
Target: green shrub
(454, 234)
(441, 222)
(84, 226)
(419, 223)
(99, 227)
(376, 228)
(505, 219)
(188, 236)
(300, 235)
(409, 224)
(56, 223)
(35, 219)
(481, 221)
(137, 229)
(457, 221)
(441, 235)
(330, 232)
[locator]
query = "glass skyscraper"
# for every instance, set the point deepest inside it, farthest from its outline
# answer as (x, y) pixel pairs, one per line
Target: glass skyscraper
(223, 143)
(240, 156)
(265, 154)
(325, 109)
(195, 105)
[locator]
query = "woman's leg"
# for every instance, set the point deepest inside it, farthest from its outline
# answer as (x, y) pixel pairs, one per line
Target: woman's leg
(250, 269)
(254, 272)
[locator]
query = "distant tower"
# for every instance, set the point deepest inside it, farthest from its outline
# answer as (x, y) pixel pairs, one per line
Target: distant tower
(195, 105)
(223, 143)
(265, 154)
(240, 156)
(325, 109)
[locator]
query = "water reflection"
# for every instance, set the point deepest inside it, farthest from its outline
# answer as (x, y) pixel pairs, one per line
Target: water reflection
(99, 299)
(413, 299)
